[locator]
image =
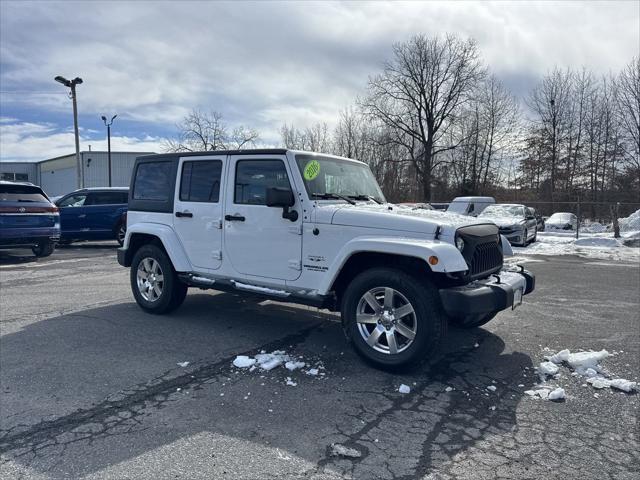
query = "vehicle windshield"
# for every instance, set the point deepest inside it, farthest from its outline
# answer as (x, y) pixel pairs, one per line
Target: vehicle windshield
(503, 211)
(329, 178)
(21, 193)
(458, 207)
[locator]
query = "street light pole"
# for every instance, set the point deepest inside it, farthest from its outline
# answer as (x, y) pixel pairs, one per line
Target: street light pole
(72, 85)
(108, 125)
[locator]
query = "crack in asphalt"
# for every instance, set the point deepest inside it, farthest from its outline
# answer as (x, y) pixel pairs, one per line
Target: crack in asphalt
(122, 409)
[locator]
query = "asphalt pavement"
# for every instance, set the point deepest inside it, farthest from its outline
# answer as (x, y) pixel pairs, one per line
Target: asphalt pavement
(91, 387)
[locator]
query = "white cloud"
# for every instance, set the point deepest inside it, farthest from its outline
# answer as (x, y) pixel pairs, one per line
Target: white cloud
(33, 142)
(267, 63)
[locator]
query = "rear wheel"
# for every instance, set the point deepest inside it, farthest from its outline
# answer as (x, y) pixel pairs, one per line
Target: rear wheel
(121, 232)
(392, 319)
(43, 249)
(154, 282)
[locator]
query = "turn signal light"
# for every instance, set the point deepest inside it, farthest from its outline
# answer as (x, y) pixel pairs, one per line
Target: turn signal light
(433, 260)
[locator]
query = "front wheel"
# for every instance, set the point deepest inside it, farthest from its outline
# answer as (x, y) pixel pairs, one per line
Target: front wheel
(393, 319)
(43, 249)
(155, 284)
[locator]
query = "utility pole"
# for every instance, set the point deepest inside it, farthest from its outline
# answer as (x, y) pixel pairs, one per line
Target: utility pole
(72, 85)
(108, 125)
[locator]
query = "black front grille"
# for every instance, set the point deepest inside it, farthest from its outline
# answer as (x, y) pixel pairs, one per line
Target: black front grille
(487, 258)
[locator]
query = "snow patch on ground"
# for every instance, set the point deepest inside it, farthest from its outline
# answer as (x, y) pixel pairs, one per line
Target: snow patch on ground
(589, 245)
(338, 450)
(265, 362)
(404, 388)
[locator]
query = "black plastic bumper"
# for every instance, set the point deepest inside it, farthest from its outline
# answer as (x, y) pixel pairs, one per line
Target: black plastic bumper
(123, 258)
(484, 297)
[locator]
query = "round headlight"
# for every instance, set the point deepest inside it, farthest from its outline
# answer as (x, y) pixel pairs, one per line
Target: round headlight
(460, 243)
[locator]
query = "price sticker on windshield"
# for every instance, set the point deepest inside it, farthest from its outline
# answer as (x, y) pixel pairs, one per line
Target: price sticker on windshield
(311, 170)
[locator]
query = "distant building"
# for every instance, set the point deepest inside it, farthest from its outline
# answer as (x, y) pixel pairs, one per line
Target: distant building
(58, 175)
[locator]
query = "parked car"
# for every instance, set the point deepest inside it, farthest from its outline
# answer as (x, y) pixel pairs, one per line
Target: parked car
(516, 222)
(28, 219)
(562, 221)
(472, 206)
(93, 214)
(313, 229)
(539, 219)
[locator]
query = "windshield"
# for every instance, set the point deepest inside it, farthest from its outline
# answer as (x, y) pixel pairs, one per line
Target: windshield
(458, 207)
(503, 211)
(325, 177)
(560, 217)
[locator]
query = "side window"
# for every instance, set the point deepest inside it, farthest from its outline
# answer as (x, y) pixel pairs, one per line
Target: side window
(200, 181)
(104, 198)
(74, 201)
(253, 177)
(153, 181)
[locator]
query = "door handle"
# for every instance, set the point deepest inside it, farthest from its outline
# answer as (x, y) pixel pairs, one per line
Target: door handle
(184, 214)
(234, 218)
(82, 215)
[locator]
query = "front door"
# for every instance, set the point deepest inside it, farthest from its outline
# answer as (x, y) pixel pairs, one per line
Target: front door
(73, 214)
(198, 210)
(258, 241)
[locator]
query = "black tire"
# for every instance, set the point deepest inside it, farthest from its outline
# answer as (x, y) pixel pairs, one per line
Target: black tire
(468, 323)
(43, 249)
(120, 231)
(524, 238)
(427, 317)
(173, 291)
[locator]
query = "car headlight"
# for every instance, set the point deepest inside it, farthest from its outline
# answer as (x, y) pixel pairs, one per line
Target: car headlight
(459, 243)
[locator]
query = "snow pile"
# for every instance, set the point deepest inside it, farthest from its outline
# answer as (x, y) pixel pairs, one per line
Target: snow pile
(597, 242)
(594, 227)
(404, 388)
(291, 366)
(265, 362)
(242, 361)
(338, 450)
(492, 388)
(587, 364)
(557, 394)
(183, 364)
(630, 223)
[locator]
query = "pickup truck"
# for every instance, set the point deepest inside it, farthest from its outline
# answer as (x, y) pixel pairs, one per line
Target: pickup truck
(313, 229)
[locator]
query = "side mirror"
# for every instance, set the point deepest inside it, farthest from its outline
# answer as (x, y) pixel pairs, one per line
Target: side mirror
(283, 198)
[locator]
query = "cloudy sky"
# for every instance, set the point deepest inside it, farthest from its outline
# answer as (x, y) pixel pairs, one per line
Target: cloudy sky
(261, 64)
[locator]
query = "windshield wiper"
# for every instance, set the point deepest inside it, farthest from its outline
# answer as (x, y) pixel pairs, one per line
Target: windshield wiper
(365, 197)
(332, 196)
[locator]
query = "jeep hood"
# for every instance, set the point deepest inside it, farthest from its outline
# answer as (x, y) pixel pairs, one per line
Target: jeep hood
(393, 217)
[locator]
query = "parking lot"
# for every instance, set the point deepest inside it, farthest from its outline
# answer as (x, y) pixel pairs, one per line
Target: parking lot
(91, 386)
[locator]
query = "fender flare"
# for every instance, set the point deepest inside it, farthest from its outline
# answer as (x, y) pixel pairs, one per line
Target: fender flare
(449, 258)
(169, 240)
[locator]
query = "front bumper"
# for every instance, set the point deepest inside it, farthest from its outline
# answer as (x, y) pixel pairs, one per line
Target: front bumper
(515, 237)
(487, 296)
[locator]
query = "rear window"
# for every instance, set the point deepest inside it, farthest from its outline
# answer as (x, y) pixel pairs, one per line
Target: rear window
(153, 181)
(21, 193)
(107, 198)
(201, 181)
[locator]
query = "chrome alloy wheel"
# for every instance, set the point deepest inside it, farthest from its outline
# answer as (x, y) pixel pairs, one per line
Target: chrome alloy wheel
(122, 232)
(386, 320)
(150, 279)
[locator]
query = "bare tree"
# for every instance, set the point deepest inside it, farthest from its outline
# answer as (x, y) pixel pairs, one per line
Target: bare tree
(315, 138)
(420, 92)
(628, 108)
(200, 131)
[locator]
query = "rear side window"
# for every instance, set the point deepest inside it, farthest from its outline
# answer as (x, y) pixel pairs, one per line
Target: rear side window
(107, 198)
(200, 181)
(153, 181)
(21, 193)
(253, 177)
(77, 200)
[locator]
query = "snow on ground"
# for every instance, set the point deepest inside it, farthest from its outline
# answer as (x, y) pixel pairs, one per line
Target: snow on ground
(404, 388)
(265, 362)
(590, 245)
(338, 450)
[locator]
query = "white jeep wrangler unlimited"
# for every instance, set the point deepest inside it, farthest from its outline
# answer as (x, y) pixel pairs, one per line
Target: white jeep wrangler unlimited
(316, 230)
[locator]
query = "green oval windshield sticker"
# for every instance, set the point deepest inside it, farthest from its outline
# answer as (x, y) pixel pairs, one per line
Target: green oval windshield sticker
(311, 170)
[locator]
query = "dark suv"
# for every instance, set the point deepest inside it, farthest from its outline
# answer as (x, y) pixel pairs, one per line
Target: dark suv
(93, 214)
(28, 219)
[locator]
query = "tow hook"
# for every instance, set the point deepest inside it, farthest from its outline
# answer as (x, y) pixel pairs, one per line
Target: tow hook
(497, 278)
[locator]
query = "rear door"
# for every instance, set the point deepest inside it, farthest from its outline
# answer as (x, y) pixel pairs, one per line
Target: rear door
(103, 211)
(258, 241)
(198, 210)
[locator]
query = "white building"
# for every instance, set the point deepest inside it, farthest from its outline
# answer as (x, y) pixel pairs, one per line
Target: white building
(58, 176)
